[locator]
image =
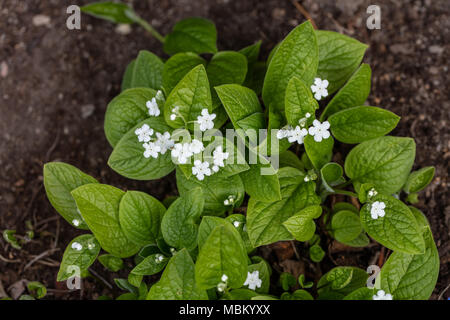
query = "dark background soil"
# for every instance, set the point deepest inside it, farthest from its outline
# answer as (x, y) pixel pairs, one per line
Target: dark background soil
(55, 85)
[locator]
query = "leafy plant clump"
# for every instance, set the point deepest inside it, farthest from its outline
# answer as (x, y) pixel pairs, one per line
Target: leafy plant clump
(252, 145)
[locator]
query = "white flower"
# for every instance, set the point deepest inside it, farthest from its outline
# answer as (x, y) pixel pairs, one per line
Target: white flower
(282, 133)
(77, 246)
(151, 150)
(224, 278)
(298, 134)
(164, 141)
(308, 115)
(182, 152)
(218, 157)
(144, 133)
(221, 287)
(377, 209)
(236, 224)
(173, 116)
(226, 201)
(381, 295)
(319, 88)
(160, 96)
(153, 108)
(196, 146)
(201, 169)
(319, 130)
(253, 281)
(372, 193)
(91, 246)
(206, 120)
(159, 258)
(76, 222)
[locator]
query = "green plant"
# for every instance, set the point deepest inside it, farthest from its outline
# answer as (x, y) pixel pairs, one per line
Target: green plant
(172, 115)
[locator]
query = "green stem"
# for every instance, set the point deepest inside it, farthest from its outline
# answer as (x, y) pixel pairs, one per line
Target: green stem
(345, 193)
(144, 24)
(346, 183)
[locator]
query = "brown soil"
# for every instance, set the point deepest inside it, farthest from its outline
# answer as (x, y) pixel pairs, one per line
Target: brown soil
(55, 85)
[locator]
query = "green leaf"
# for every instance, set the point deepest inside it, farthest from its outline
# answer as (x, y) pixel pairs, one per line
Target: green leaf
(128, 159)
(301, 225)
(150, 265)
(298, 102)
(397, 230)
(60, 179)
(251, 52)
(125, 111)
(339, 56)
(111, 262)
(111, 11)
(99, 206)
(341, 281)
(140, 217)
(287, 281)
(353, 94)
(82, 259)
(418, 180)
(148, 71)
(196, 35)
(9, 236)
(241, 103)
(265, 219)
(320, 153)
(128, 76)
(290, 159)
(345, 226)
(408, 276)
(125, 285)
(215, 189)
(332, 175)
(385, 162)
(191, 95)
(226, 67)
(263, 274)
(222, 253)
(363, 123)
(179, 225)
(360, 294)
(262, 187)
(362, 240)
(178, 281)
(239, 294)
(37, 289)
(239, 221)
(316, 253)
(297, 55)
(297, 295)
(177, 66)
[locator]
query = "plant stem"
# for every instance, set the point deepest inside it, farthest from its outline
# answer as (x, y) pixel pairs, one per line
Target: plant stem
(144, 24)
(345, 193)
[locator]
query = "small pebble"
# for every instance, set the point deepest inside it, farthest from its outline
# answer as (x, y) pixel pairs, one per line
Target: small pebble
(41, 20)
(3, 70)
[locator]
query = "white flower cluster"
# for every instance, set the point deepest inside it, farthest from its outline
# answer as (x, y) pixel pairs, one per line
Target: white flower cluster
(230, 200)
(381, 295)
(253, 281)
(318, 130)
(372, 193)
(77, 246)
(206, 120)
(377, 209)
(319, 88)
(222, 285)
(154, 147)
(183, 151)
(159, 258)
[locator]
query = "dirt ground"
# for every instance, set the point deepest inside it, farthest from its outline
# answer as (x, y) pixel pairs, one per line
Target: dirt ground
(55, 84)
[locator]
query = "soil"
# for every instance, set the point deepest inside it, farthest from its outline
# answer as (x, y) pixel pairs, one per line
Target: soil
(55, 84)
